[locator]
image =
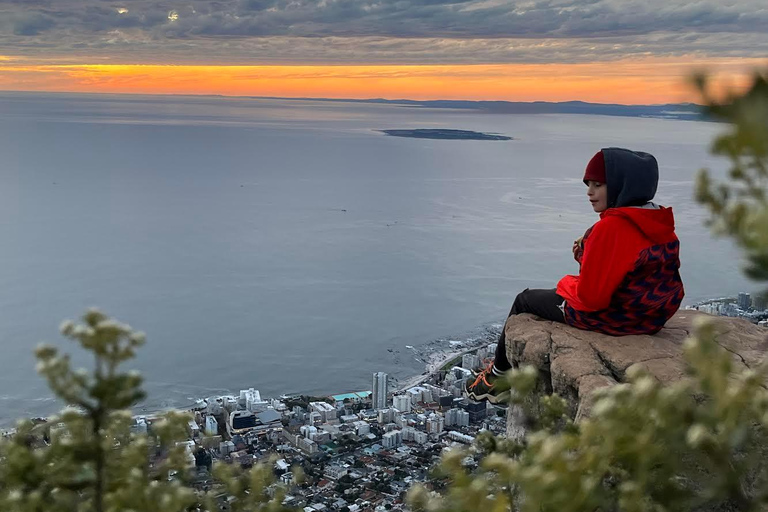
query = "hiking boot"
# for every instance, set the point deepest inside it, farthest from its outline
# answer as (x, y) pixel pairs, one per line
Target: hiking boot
(484, 388)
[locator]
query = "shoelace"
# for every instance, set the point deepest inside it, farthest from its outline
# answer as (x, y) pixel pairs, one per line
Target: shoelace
(482, 377)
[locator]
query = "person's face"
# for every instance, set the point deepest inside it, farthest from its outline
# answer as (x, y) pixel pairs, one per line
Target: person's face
(598, 195)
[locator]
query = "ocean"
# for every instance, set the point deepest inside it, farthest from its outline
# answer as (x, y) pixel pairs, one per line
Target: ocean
(290, 246)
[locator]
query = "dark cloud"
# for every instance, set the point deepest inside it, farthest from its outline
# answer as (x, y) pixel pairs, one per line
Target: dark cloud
(397, 18)
(320, 27)
(27, 23)
(251, 6)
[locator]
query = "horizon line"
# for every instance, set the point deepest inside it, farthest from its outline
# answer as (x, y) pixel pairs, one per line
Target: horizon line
(357, 100)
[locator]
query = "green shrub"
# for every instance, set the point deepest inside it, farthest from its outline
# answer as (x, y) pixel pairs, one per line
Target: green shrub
(87, 459)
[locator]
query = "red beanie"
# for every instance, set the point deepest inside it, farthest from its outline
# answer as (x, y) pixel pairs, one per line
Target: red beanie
(595, 168)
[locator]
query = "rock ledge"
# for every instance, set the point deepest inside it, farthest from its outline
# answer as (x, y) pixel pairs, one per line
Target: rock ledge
(574, 363)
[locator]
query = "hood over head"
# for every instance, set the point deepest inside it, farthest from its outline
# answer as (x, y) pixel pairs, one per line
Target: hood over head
(631, 177)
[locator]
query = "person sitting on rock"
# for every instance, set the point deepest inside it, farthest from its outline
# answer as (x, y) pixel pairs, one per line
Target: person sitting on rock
(628, 280)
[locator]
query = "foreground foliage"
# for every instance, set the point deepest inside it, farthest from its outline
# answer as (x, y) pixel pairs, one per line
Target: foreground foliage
(739, 207)
(87, 459)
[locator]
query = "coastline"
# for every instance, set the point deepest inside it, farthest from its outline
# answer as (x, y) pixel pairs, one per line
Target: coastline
(439, 357)
(435, 354)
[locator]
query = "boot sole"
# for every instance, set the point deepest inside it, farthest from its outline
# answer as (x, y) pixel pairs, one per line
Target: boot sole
(485, 396)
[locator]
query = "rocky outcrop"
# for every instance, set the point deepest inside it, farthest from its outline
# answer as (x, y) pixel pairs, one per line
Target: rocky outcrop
(574, 363)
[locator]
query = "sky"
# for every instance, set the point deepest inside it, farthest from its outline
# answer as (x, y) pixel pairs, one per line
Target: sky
(606, 51)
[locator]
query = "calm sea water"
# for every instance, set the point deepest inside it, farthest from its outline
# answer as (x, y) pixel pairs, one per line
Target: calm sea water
(288, 245)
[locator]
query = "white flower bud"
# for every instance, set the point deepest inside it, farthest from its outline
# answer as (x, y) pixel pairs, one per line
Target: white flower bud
(66, 327)
(696, 435)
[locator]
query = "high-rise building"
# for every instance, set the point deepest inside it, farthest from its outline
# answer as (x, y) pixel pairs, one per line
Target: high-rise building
(744, 301)
(379, 390)
(759, 302)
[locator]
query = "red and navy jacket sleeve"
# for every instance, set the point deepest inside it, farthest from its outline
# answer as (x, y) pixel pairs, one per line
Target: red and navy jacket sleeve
(610, 252)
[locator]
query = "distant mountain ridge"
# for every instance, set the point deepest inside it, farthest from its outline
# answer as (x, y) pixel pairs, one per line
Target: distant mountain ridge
(683, 111)
(686, 111)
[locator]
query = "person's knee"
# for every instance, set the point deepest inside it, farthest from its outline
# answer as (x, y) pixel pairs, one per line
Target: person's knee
(521, 301)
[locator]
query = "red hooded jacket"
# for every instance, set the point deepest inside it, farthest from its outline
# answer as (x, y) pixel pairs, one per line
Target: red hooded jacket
(629, 281)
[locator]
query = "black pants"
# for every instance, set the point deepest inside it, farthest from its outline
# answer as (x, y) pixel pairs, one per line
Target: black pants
(542, 303)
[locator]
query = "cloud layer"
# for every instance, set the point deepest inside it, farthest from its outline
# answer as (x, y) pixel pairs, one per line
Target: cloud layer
(383, 30)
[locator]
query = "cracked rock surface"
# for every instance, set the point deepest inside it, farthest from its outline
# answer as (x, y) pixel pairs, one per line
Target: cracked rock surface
(574, 363)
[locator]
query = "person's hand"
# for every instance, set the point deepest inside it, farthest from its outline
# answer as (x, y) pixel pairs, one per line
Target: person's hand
(577, 245)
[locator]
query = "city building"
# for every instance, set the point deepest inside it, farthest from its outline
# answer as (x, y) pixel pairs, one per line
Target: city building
(251, 400)
(470, 361)
(402, 403)
(461, 438)
(211, 426)
(392, 439)
(226, 447)
(476, 410)
(307, 446)
(362, 427)
(314, 418)
(744, 301)
(386, 416)
(335, 472)
(417, 436)
(379, 390)
(457, 417)
(419, 394)
(435, 423)
(308, 431)
(326, 411)
(759, 302)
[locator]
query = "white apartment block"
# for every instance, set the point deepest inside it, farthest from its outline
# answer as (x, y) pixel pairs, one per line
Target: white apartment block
(402, 403)
(326, 411)
(211, 426)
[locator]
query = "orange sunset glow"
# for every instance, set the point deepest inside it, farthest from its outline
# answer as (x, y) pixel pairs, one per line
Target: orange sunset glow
(636, 81)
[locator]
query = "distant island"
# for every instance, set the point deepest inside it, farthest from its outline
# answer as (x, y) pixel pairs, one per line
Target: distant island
(439, 133)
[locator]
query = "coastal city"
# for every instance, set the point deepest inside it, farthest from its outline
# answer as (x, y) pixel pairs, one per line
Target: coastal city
(746, 306)
(358, 451)
(362, 450)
